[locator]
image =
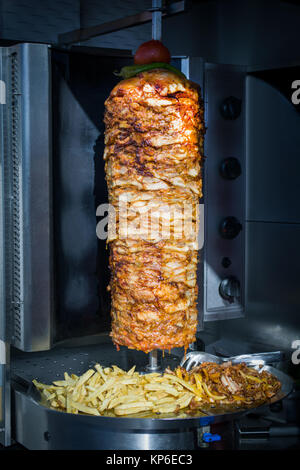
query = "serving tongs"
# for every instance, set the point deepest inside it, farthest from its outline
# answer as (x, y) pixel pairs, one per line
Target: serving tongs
(195, 358)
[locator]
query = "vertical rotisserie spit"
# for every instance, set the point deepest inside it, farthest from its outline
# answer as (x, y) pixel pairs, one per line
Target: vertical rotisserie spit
(153, 151)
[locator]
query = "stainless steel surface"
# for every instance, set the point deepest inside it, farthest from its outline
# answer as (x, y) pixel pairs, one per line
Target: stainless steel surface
(25, 208)
(76, 355)
(195, 358)
(273, 164)
(59, 430)
(5, 395)
(5, 391)
(278, 431)
(3, 124)
(27, 185)
(83, 34)
(272, 216)
(35, 21)
(223, 197)
(94, 12)
(273, 260)
(80, 35)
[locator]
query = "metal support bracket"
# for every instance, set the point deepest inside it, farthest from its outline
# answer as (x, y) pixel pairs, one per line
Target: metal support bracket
(154, 14)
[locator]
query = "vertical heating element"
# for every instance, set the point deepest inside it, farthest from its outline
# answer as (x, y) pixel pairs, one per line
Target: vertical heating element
(15, 242)
(27, 181)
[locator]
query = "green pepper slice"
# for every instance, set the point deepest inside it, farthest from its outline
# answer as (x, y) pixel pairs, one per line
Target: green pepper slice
(132, 70)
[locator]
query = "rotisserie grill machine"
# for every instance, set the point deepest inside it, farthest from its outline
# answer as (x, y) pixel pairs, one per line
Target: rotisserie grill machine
(55, 313)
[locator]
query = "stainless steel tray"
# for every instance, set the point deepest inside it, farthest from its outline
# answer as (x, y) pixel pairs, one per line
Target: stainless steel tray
(207, 417)
(40, 427)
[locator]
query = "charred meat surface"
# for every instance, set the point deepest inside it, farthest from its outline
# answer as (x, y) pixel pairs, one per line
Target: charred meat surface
(154, 129)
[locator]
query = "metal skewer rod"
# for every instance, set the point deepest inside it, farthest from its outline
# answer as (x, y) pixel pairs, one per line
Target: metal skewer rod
(156, 19)
(153, 365)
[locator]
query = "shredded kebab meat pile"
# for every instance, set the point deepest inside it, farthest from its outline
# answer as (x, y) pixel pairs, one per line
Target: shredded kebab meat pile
(228, 384)
(153, 152)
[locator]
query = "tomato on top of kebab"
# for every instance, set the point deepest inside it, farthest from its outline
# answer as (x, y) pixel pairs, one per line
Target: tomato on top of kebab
(152, 51)
(149, 55)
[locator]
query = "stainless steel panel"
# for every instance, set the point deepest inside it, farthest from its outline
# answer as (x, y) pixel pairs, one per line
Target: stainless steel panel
(3, 123)
(28, 228)
(273, 164)
(100, 29)
(272, 299)
(38, 21)
(77, 286)
(222, 198)
(193, 68)
(5, 394)
(2, 403)
(59, 431)
(94, 12)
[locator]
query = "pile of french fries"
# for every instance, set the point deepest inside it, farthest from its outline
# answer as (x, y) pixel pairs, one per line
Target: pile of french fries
(111, 391)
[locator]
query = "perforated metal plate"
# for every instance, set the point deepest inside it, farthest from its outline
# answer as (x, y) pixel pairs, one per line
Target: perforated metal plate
(48, 366)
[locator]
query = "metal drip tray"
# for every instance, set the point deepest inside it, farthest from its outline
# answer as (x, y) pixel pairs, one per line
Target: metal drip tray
(39, 427)
(47, 366)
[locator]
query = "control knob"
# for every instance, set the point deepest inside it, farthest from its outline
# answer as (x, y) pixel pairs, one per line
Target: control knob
(230, 289)
(231, 107)
(230, 168)
(230, 227)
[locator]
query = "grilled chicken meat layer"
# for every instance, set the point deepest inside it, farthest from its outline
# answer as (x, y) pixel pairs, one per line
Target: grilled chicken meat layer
(153, 150)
